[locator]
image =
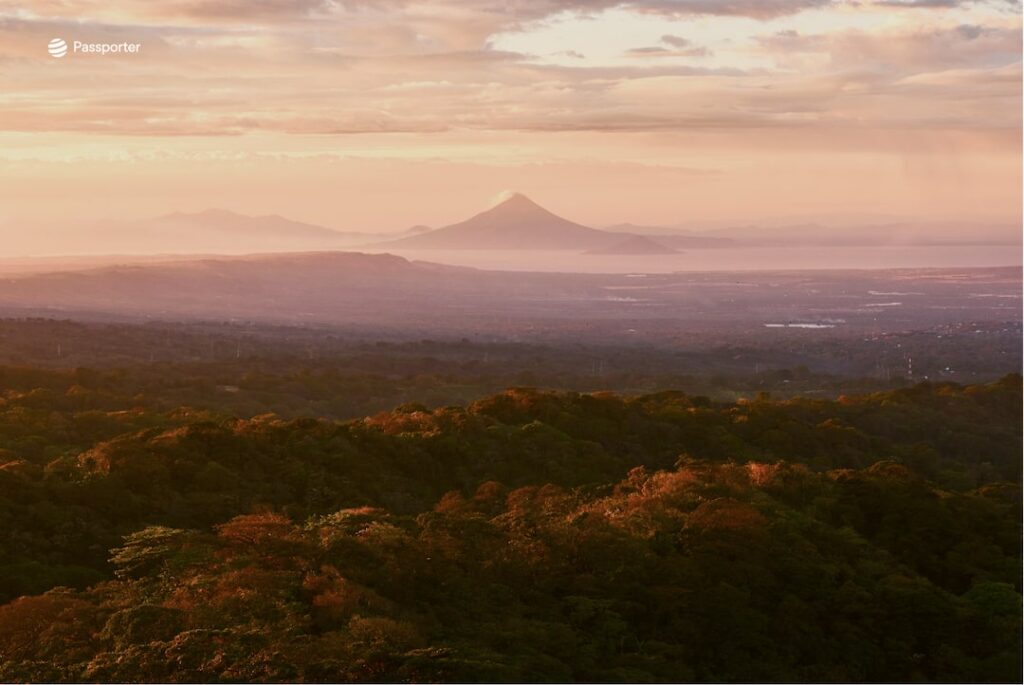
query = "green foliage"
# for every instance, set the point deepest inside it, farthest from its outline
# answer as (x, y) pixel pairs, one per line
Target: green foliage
(704, 572)
(530, 536)
(144, 550)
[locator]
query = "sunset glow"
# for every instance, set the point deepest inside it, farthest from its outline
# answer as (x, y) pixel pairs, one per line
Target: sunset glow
(380, 114)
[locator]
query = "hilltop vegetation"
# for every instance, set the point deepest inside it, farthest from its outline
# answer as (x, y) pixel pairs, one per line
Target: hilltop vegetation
(530, 535)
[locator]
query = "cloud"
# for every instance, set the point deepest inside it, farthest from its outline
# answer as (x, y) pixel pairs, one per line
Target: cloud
(660, 51)
(945, 4)
(312, 67)
(900, 53)
(678, 47)
(970, 32)
(757, 9)
(500, 16)
(675, 41)
(921, 3)
(250, 8)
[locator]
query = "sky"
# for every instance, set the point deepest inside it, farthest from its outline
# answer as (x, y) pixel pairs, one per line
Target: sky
(375, 115)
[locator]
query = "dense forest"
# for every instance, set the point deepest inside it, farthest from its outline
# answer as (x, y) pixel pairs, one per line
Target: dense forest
(532, 535)
(247, 369)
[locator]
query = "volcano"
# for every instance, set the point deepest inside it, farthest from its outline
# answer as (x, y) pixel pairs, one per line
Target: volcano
(518, 223)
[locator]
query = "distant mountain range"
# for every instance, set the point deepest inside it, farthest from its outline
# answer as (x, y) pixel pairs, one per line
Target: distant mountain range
(224, 232)
(811, 234)
(674, 237)
(222, 224)
(634, 245)
(214, 231)
(905, 233)
(518, 223)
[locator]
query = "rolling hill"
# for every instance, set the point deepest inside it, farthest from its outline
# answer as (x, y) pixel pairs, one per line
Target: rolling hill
(388, 292)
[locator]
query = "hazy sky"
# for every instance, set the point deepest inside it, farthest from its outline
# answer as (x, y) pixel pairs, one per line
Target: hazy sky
(378, 114)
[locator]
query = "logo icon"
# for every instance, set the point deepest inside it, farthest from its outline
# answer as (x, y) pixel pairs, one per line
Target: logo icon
(57, 47)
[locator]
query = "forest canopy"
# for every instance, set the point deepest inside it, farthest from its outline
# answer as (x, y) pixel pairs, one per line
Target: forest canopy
(530, 535)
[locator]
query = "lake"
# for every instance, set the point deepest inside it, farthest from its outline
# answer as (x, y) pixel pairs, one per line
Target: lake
(729, 259)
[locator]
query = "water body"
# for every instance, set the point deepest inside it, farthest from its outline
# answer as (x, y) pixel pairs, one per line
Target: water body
(730, 259)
